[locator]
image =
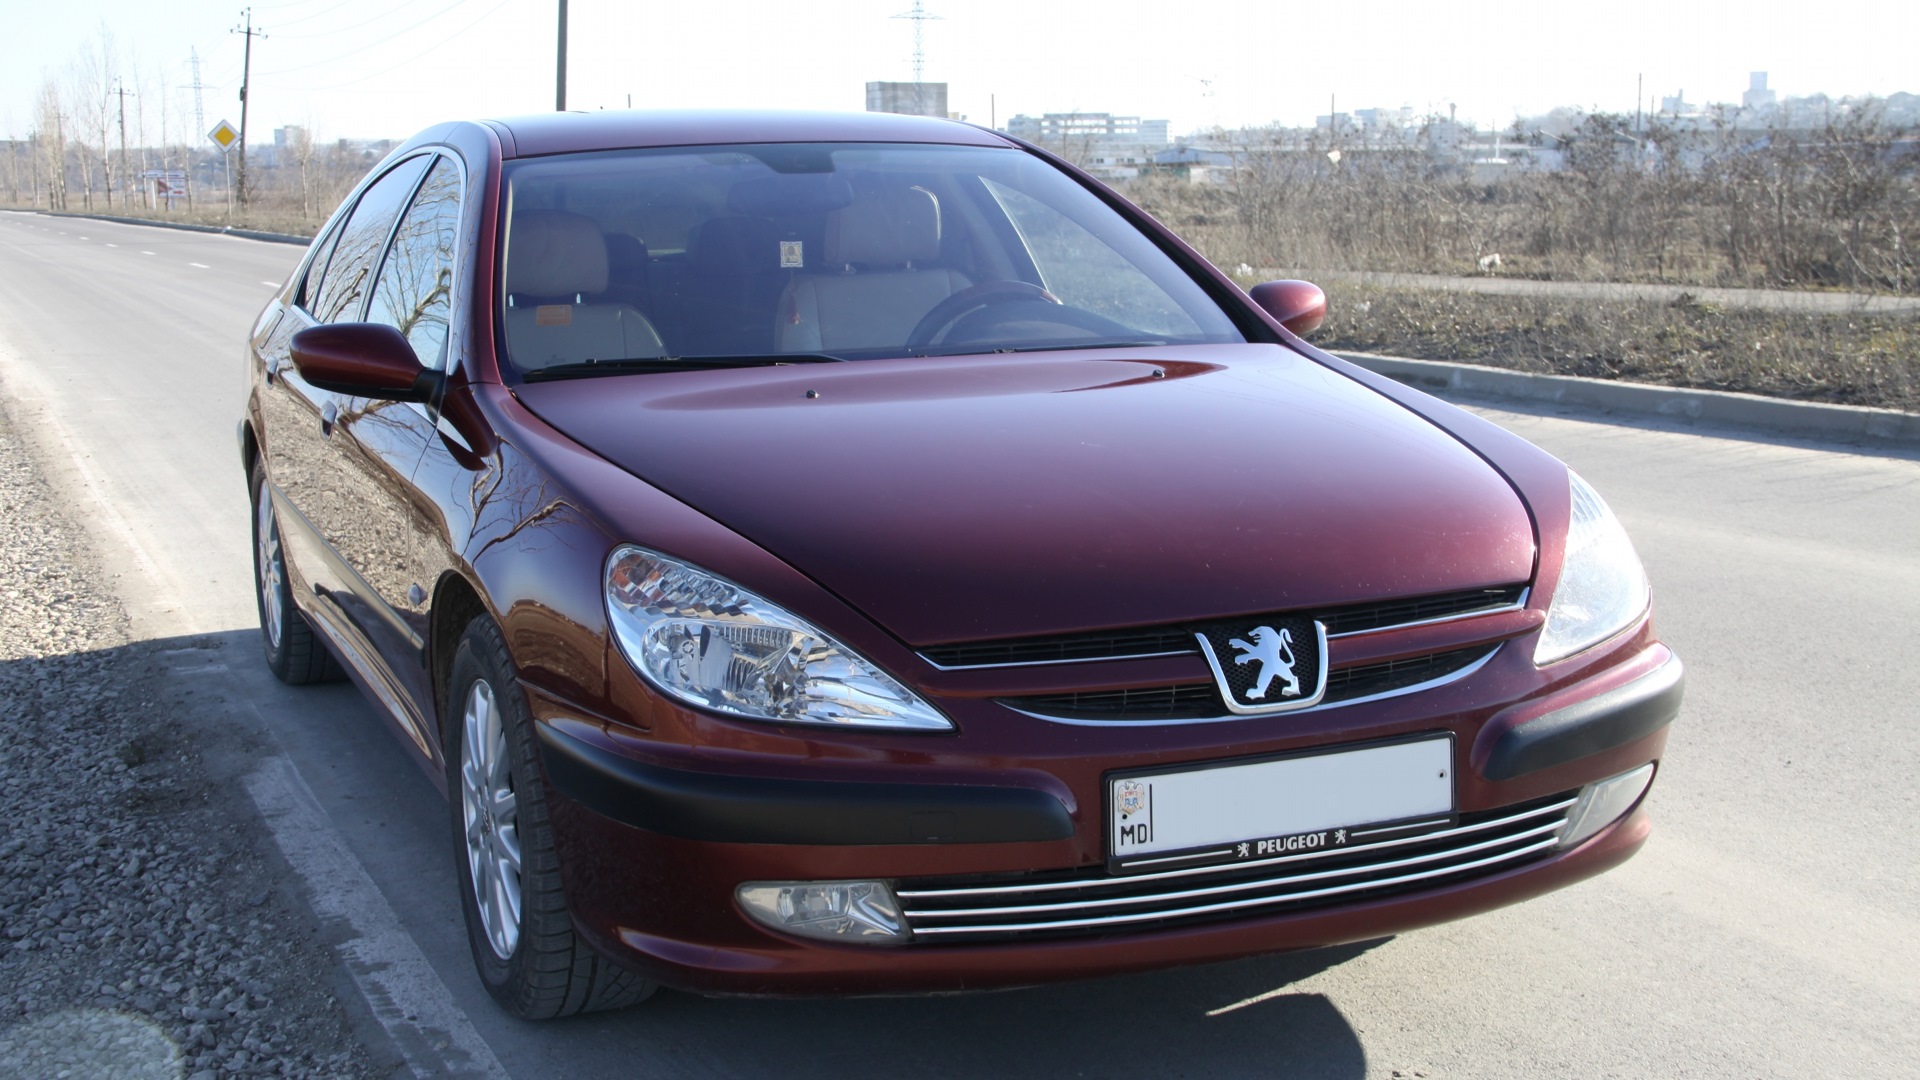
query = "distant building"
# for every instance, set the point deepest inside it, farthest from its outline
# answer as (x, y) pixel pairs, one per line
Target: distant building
(1678, 105)
(1097, 127)
(1108, 146)
(909, 98)
(289, 136)
(1757, 95)
(1382, 119)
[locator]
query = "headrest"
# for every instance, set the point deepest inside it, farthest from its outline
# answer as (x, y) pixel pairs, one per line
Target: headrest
(886, 227)
(552, 253)
(783, 195)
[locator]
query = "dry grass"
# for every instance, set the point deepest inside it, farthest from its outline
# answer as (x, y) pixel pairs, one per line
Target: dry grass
(1850, 359)
(291, 222)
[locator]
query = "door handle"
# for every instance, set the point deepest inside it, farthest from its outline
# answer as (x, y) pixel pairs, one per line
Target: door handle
(328, 415)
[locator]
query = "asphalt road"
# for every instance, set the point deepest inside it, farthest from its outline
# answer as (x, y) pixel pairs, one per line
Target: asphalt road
(1770, 928)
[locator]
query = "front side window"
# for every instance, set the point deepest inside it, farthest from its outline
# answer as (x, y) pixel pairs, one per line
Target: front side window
(752, 253)
(364, 237)
(415, 290)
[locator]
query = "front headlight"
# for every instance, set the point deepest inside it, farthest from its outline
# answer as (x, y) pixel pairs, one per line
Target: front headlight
(1602, 586)
(713, 644)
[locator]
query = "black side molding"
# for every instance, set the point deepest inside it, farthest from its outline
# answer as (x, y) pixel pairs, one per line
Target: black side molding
(1601, 722)
(757, 810)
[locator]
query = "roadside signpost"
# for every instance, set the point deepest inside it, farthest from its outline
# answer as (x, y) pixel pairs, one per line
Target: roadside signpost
(168, 184)
(226, 136)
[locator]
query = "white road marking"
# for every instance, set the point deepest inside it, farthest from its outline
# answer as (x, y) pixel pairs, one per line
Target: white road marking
(401, 988)
(202, 266)
(113, 245)
(146, 253)
(271, 284)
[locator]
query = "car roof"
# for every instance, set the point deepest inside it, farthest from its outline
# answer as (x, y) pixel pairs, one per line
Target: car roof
(569, 132)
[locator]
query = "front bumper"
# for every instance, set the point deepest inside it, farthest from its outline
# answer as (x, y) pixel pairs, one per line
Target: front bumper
(653, 855)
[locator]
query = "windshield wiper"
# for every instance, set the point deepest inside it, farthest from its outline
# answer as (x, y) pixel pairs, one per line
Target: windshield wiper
(586, 369)
(1068, 346)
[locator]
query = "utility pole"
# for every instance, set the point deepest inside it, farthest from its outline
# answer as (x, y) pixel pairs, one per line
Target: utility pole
(199, 121)
(120, 91)
(560, 68)
(246, 76)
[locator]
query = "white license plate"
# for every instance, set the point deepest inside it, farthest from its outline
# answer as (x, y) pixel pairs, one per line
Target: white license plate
(1261, 809)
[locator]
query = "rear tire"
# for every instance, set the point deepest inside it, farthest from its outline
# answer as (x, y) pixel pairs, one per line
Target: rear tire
(295, 654)
(518, 927)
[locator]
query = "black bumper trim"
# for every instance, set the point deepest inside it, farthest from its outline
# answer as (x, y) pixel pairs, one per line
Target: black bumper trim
(756, 810)
(1602, 722)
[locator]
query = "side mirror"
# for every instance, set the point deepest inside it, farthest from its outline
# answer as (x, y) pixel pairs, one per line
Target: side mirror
(364, 359)
(1300, 306)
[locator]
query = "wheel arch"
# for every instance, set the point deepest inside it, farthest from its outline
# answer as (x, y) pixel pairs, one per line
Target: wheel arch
(455, 604)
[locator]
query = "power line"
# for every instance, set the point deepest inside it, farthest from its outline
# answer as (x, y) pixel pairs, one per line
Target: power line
(374, 44)
(411, 57)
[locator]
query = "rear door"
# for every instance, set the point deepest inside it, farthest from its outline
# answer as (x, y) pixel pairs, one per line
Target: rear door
(329, 504)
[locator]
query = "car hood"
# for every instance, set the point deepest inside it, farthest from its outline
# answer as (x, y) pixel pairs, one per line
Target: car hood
(970, 498)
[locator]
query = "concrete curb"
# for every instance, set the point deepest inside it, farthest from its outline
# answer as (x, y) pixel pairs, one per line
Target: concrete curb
(1717, 406)
(224, 230)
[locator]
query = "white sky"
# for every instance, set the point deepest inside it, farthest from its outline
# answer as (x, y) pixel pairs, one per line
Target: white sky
(386, 68)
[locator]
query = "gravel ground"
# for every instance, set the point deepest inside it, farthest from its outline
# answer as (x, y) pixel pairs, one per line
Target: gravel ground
(142, 931)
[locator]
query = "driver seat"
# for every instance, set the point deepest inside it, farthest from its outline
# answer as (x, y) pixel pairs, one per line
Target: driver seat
(870, 294)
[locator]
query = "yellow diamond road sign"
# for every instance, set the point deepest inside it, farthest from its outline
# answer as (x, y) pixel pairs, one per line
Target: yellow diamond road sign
(224, 134)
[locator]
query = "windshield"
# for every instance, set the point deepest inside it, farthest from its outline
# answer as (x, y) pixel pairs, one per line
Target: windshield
(751, 254)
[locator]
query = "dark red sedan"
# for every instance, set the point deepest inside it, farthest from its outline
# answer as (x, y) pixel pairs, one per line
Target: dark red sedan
(863, 553)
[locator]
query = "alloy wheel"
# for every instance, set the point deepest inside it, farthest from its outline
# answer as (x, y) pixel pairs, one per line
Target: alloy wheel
(269, 568)
(492, 827)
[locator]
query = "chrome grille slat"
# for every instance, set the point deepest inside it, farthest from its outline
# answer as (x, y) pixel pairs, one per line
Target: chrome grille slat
(1177, 639)
(1234, 905)
(1092, 900)
(1238, 886)
(1196, 871)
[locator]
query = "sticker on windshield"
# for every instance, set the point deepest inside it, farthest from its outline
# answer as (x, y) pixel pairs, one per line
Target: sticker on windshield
(790, 255)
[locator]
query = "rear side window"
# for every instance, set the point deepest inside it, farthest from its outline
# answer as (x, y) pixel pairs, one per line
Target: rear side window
(317, 269)
(416, 280)
(351, 269)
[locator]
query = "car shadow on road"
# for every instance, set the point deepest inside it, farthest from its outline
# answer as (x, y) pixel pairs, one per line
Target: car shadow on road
(1239, 1018)
(1244, 1017)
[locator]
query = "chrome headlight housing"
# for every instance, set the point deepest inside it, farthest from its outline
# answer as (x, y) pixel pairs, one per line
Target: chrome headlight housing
(710, 643)
(1602, 588)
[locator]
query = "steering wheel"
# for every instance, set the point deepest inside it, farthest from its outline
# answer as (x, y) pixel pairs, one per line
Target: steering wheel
(948, 311)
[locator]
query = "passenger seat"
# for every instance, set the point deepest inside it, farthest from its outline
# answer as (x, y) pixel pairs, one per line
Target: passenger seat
(555, 262)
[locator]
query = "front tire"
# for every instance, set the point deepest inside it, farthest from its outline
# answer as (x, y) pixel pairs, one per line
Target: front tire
(295, 653)
(518, 927)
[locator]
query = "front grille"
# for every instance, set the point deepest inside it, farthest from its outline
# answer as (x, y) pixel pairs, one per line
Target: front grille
(1195, 701)
(1178, 640)
(1025, 907)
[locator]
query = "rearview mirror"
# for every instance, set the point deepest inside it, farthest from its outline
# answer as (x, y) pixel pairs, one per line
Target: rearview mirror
(364, 359)
(1300, 306)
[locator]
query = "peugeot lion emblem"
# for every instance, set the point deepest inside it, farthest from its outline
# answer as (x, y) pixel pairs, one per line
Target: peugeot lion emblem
(1275, 665)
(1273, 651)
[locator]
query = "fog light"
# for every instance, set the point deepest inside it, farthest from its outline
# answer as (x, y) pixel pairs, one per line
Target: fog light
(863, 912)
(1601, 804)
